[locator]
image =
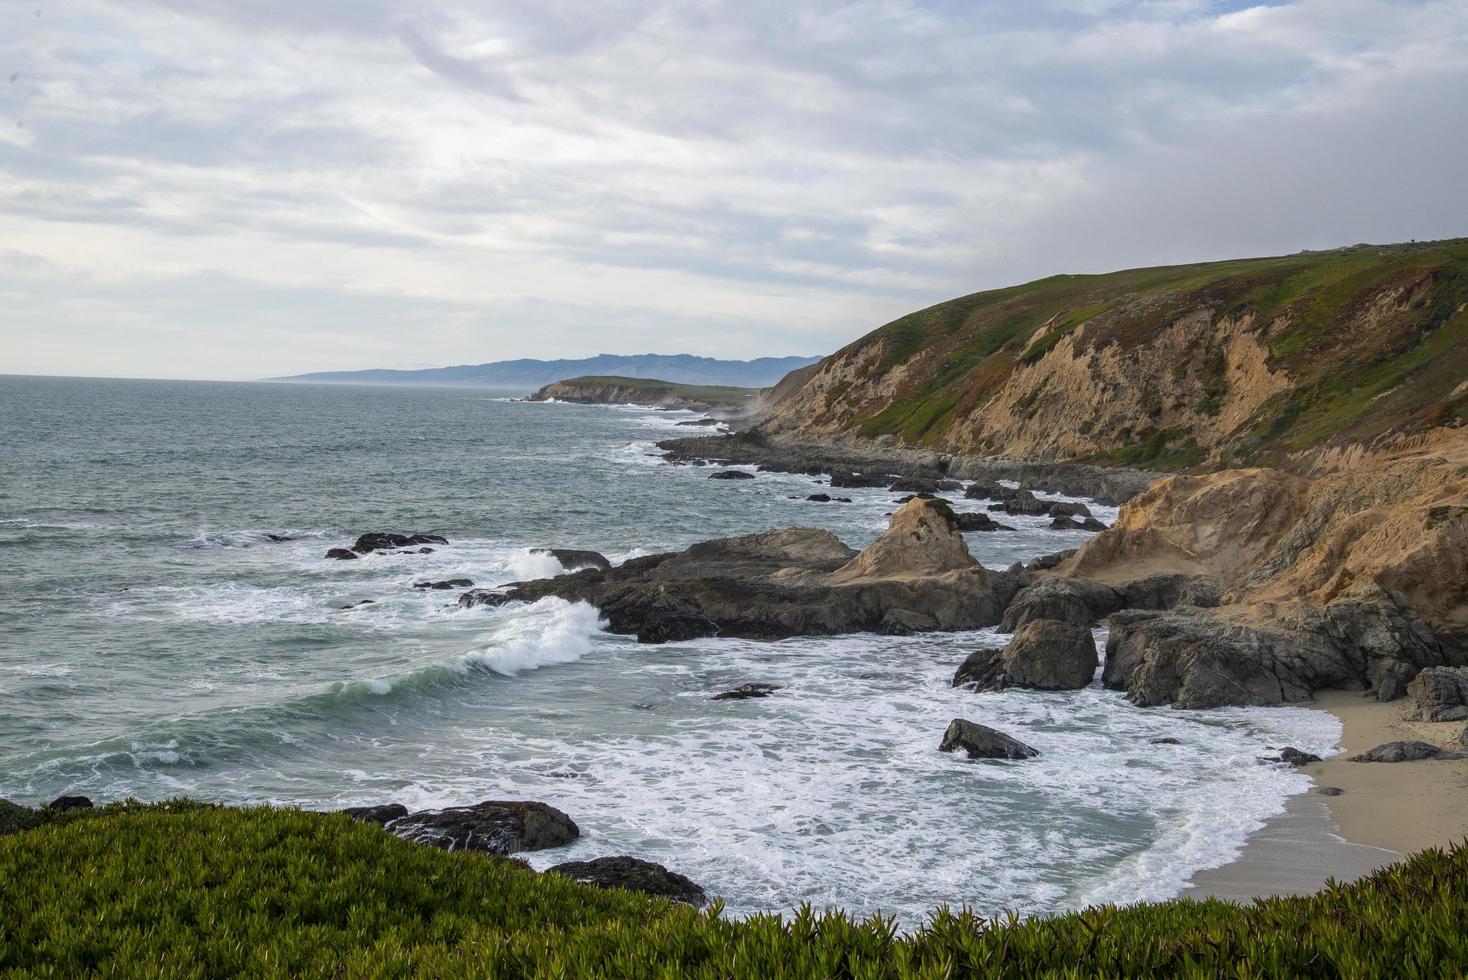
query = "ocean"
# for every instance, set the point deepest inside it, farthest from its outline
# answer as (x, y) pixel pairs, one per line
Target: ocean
(156, 640)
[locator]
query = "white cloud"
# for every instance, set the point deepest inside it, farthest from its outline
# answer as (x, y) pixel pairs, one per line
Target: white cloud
(215, 189)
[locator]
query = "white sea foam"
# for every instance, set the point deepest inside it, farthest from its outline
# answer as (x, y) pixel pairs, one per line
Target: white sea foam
(549, 631)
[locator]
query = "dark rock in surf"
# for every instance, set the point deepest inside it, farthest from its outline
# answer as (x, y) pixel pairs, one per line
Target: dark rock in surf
(575, 559)
(1407, 751)
(1331, 791)
(820, 498)
(982, 742)
(633, 874)
(731, 475)
(65, 803)
(745, 691)
(279, 538)
(386, 540)
(847, 480)
(1044, 655)
(700, 422)
(1063, 523)
(917, 496)
(1091, 524)
(341, 554)
(979, 521)
(448, 583)
(1296, 757)
(382, 814)
(494, 826)
(1065, 508)
(1026, 504)
(1165, 740)
(359, 602)
(482, 597)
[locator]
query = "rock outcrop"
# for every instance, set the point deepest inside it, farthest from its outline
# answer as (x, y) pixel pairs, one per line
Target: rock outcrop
(918, 575)
(1405, 752)
(494, 826)
(1439, 694)
(573, 559)
(634, 874)
(1045, 655)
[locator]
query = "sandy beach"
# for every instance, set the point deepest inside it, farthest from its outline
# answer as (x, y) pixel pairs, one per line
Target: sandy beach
(1386, 810)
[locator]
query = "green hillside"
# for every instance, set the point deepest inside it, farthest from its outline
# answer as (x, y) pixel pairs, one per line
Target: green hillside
(185, 890)
(1369, 339)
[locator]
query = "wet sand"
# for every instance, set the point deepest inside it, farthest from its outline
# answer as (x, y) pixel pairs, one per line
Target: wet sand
(1387, 810)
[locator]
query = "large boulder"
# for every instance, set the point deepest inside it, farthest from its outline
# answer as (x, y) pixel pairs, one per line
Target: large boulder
(983, 742)
(633, 874)
(1045, 655)
(923, 538)
(1439, 694)
(494, 826)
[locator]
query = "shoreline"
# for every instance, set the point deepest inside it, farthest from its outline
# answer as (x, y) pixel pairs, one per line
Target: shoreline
(1386, 812)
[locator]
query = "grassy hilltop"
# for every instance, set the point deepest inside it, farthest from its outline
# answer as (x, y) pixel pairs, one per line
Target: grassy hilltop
(1214, 364)
(183, 889)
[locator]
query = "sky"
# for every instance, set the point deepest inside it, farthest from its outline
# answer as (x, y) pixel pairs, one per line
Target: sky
(236, 189)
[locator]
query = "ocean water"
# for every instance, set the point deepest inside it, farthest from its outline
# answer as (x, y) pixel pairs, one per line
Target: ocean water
(155, 641)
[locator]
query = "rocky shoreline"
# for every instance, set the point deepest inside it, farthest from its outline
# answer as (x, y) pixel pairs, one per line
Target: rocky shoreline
(1106, 485)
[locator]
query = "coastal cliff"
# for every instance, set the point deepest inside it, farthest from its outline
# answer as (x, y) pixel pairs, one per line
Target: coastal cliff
(643, 391)
(1197, 366)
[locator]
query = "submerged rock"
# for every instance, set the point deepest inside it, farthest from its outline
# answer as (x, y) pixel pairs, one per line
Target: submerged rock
(731, 475)
(744, 691)
(982, 742)
(1044, 655)
(494, 826)
(381, 814)
(1165, 740)
(1331, 791)
(1407, 751)
(386, 540)
(359, 602)
(574, 559)
(633, 874)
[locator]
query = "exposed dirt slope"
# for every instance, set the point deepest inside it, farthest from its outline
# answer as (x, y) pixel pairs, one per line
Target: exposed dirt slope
(1392, 524)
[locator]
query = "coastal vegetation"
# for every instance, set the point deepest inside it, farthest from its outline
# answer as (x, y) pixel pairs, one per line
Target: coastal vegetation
(1206, 365)
(188, 889)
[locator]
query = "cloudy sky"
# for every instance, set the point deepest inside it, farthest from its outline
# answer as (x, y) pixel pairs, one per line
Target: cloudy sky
(241, 188)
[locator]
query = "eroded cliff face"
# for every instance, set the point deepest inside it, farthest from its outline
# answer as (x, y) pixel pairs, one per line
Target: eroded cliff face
(1197, 367)
(1392, 525)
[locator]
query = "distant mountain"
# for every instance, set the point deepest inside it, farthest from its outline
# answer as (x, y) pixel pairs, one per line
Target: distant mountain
(761, 372)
